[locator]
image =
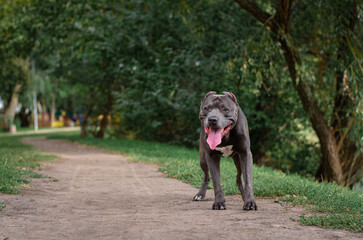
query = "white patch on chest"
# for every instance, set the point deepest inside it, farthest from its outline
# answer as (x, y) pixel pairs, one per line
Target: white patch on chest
(226, 151)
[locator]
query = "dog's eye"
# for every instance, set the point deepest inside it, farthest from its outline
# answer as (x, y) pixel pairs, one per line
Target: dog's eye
(206, 108)
(225, 109)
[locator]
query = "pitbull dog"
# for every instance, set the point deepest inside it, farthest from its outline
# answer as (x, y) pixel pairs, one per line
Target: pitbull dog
(225, 134)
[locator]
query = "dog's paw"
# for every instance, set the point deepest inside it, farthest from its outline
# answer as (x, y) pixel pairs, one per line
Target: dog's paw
(198, 197)
(219, 206)
(250, 205)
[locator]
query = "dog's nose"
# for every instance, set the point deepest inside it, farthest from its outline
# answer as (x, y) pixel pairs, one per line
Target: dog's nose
(213, 121)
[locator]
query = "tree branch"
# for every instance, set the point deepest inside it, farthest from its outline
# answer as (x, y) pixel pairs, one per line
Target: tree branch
(256, 11)
(283, 13)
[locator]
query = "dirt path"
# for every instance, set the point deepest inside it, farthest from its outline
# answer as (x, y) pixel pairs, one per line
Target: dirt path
(101, 195)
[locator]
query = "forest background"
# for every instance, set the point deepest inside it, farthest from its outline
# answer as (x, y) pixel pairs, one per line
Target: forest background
(139, 69)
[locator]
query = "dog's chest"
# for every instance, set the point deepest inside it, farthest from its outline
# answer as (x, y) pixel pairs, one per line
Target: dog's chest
(226, 151)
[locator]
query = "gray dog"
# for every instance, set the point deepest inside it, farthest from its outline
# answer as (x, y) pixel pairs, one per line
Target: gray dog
(225, 134)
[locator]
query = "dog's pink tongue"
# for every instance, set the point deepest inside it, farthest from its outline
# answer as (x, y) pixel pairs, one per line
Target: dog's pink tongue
(214, 138)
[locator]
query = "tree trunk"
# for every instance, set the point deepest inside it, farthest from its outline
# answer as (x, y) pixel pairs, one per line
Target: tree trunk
(341, 122)
(84, 123)
(325, 134)
(10, 111)
(87, 115)
(44, 109)
(279, 26)
(52, 113)
(104, 120)
(340, 125)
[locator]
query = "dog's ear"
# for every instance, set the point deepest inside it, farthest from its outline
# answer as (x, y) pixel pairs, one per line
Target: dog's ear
(231, 95)
(209, 93)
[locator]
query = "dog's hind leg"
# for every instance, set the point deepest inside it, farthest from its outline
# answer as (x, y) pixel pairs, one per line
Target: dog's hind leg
(201, 194)
(239, 180)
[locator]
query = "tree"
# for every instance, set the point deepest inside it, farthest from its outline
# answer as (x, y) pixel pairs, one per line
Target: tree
(80, 36)
(336, 156)
(195, 47)
(14, 45)
(145, 65)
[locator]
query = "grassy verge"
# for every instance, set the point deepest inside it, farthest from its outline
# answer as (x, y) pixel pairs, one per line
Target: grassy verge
(334, 206)
(17, 162)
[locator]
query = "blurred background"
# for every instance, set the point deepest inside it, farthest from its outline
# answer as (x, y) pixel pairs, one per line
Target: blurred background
(139, 69)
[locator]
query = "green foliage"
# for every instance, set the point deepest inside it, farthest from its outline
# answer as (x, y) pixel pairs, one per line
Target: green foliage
(18, 161)
(199, 51)
(342, 207)
(15, 45)
(153, 61)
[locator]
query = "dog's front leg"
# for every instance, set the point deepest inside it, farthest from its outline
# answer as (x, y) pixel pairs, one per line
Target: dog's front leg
(214, 169)
(246, 165)
(203, 164)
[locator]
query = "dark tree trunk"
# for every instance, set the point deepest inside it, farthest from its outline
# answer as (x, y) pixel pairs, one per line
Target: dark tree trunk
(86, 116)
(104, 120)
(325, 134)
(84, 123)
(279, 24)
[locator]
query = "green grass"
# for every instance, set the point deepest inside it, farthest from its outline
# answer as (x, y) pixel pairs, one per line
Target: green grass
(17, 162)
(335, 206)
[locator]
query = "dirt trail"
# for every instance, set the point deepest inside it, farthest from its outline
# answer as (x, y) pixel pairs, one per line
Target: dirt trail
(102, 195)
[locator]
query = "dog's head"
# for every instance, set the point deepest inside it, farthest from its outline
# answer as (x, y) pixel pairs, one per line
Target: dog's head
(218, 115)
